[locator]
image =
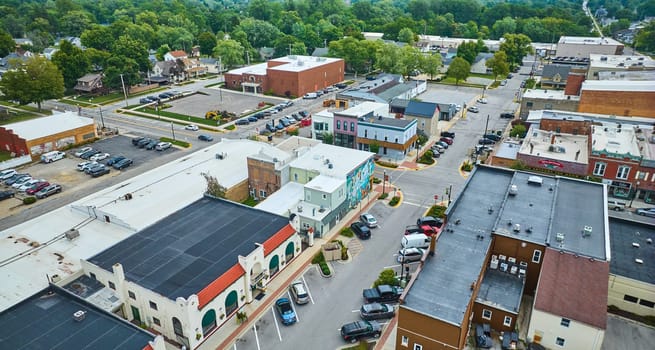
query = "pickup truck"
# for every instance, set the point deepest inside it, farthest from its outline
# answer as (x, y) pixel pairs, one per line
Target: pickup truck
(382, 293)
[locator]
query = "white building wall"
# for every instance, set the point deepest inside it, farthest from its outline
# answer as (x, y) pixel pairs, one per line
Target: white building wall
(577, 336)
(324, 121)
(620, 287)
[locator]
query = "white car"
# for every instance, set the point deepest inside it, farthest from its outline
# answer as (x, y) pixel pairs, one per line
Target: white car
(85, 165)
(162, 146)
(99, 156)
(5, 174)
(458, 107)
(191, 127)
(483, 100)
(28, 184)
(82, 151)
(21, 181)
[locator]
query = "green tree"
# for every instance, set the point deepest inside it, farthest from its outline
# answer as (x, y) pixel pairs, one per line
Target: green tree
(411, 59)
(432, 65)
(502, 27)
(161, 51)
(230, 52)
(328, 138)
(406, 35)
(498, 64)
(75, 22)
(645, 39)
(356, 53)
(115, 66)
(131, 48)
(459, 69)
(98, 37)
(518, 130)
(72, 62)
(35, 81)
(516, 46)
(387, 58)
(259, 33)
(207, 42)
(468, 51)
(7, 44)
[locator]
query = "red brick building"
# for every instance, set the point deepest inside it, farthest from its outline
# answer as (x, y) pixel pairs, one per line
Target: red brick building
(620, 98)
(287, 76)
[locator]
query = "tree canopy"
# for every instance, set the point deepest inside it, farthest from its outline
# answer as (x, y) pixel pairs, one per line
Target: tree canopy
(34, 81)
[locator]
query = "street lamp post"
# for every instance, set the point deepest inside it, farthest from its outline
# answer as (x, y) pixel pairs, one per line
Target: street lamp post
(384, 180)
(124, 91)
(173, 131)
(635, 193)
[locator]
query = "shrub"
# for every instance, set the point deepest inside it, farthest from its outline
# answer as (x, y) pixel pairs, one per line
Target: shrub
(344, 253)
(347, 232)
(387, 276)
(377, 180)
(467, 166)
(29, 200)
(387, 164)
(383, 196)
(394, 201)
(437, 211)
(324, 268)
(293, 132)
(230, 127)
(426, 158)
(318, 258)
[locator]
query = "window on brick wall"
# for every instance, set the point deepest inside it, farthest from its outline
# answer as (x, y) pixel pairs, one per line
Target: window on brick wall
(623, 172)
(599, 168)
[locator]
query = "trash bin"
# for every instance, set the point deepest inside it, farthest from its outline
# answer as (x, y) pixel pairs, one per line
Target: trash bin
(270, 138)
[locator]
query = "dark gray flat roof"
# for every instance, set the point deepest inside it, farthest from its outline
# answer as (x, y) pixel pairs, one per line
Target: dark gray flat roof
(623, 234)
(393, 122)
(45, 321)
(186, 251)
(501, 290)
(443, 288)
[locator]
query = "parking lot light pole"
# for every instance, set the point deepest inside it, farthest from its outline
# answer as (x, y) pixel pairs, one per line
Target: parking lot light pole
(384, 180)
(173, 131)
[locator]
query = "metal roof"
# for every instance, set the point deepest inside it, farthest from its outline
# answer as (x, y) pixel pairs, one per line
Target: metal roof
(46, 126)
(421, 109)
(184, 252)
(45, 321)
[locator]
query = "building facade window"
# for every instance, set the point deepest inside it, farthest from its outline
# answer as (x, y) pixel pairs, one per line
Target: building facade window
(486, 314)
(352, 126)
(418, 347)
(338, 124)
(623, 172)
(599, 168)
(646, 303)
(565, 322)
(529, 104)
(404, 341)
(131, 295)
(262, 193)
(559, 341)
(630, 298)
(536, 256)
(507, 321)
(324, 196)
(111, 285)
(365, 134)
(156, 321)
(153, 305)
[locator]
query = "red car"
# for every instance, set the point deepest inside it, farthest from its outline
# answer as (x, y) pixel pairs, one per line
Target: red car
(447, 140)
(37, 187)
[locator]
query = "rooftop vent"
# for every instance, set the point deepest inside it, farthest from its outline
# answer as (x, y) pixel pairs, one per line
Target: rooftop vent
(649, 241)
(586, 231)
(535, 180)
(513, 190)
(559, 237)
(330, 166)
(517, 228)
(635, 244)
(79, 315)
(72, 234)
(639, 261)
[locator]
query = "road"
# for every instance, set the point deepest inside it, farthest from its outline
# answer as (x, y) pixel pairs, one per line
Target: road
(586, 10)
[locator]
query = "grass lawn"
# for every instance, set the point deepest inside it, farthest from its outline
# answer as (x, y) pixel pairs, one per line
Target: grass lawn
(76, 102)
(4, 155)
(26, 108)
(451, 81)
(185, 118)
(215, 84)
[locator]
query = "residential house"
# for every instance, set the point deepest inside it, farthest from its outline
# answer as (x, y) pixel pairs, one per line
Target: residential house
(49, 51)
(175, 55)
(90, 83)
(193, 68)
(392, 137)
(166, 71)
(554, 76)
(447, 111)
(211, 65)
(426, 115)
(23, 41)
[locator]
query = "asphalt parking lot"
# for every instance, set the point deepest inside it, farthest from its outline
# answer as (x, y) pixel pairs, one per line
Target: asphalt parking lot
(222, 100)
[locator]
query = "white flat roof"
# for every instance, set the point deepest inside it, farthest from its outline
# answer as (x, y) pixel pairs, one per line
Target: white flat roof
(301, 63)
(324, 183)
(155, 195)
(565, 147)
(46, 126)
(610, 138)
(619, 85)
(549, 95)
(257, 69)
(365, 107)
(613, 61)
(343, 160)
(284, 200)
(587, 40)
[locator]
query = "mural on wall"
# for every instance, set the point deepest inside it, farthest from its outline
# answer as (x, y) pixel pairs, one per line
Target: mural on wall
(42, 148)
(63, 142)
(357, 184)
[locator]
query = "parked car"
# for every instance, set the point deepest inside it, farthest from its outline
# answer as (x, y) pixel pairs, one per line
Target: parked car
(507, 115)
(122, 164)
(136, 140)
(99, 171)
(143, 143)
(341, 85)
(82, 166)
(408, 255)
(16, 177)
(81, 151)
(296, 116)
(285, 122)
(473, 109)
(429, 221)
(242, 121)
(437, 148)
(352, 332)
(20, 182)
(163, 96)
(279, 126)
(270, 127)
(153, 98)
(503, 82)
(448, 134)
(92, 168)
(299, 292)
(5, 174)
(191, 127)
(413, 229)
(285, 310)
(252, 119)
(361, 230)
(99, 156)
(6, 194)
(368, 220)
(37, 187)
(144, 100)
(376, 311)
(304, 114)
(162, 146)
(510, 76)
(52, 156)
(479, 149)
(492, 137)
(28, 184)
(442, 144)
(310, 95)
(646, 212)
(486, 142)
(151, 145)
(205, 138)
(89, 154)
(447, 140)
(48, 191)
(114, 159)
(259, 115)
(483, 100)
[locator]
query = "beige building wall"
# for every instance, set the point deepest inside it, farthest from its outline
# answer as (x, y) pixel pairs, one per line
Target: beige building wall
(622, 288)
(545, 328)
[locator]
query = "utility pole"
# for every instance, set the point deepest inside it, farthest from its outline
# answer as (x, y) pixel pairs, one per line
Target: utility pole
(384, 180)
(101, 119)
(486, 125)
(173, 131)
(248, 57)
(124, 91)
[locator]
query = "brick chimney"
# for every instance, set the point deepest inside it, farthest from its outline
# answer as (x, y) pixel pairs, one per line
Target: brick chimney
(574, 83)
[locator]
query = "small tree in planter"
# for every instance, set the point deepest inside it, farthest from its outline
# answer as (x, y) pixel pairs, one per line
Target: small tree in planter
(241, 317)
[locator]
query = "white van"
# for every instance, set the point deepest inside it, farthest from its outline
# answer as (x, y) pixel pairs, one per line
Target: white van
(310, 95)
(613, 204)
(52, 156)
(417, 240)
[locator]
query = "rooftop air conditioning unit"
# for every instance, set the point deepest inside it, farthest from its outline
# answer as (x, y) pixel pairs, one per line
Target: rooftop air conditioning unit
(72, 234)
(79, 315)
(559, 237)
(586, 231)
(535, 180)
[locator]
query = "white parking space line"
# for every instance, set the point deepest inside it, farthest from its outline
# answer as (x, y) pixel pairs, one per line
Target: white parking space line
(293, 307)
(415, 204)
(254, 328)
(277, 326)
(307, 286)
(353, 311)
(390, 267)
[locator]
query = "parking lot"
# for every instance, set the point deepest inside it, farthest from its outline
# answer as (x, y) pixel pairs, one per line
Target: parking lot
(218, 100)
(76, 184)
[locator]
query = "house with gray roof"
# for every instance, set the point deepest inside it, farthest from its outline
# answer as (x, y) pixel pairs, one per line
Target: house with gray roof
(90, 83)
(384, 89)
(426, 115)
(554, 76)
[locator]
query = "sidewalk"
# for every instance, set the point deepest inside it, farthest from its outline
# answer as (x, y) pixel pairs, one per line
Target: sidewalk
(230, 331)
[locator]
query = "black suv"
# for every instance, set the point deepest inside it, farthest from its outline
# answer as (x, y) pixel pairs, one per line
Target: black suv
(492, 137)
(352, 332)
(430, 221)
(361, 230)
(448, 134)
(507, 115)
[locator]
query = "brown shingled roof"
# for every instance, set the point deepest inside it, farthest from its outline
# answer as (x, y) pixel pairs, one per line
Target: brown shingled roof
(573, 287)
